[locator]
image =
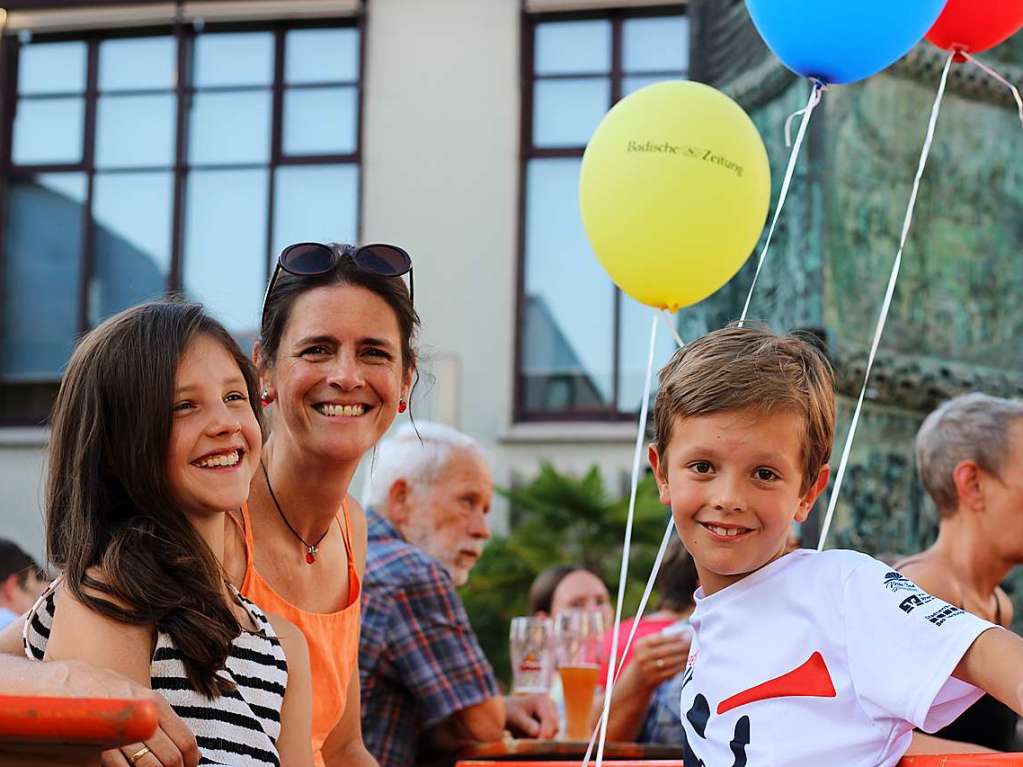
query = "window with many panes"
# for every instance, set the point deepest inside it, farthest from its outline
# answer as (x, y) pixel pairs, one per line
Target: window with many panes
(582, 345)
(173, 161)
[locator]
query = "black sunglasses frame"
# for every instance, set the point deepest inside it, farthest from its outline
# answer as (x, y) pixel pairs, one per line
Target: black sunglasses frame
(359, 258)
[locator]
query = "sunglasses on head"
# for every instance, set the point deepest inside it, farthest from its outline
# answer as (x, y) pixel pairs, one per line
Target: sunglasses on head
(306, 259)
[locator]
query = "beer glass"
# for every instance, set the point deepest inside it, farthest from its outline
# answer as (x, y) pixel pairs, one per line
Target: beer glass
(578, 639)
(532, 656)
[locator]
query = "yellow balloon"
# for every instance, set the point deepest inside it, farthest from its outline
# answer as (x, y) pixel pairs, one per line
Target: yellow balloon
(674, 191)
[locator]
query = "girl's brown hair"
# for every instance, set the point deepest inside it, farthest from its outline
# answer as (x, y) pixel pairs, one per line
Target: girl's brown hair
(108, 502)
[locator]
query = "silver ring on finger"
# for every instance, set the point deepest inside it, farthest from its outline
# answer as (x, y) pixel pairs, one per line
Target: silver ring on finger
(659, 664)
(138, 754)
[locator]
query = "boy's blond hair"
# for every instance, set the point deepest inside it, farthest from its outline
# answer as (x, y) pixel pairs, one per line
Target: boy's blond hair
(754, 369)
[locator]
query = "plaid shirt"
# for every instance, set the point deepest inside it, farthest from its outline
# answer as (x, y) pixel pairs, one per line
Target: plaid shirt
(419, 661)
(663, 723)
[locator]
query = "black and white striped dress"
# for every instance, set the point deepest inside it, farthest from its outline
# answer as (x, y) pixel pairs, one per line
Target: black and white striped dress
(238, 729)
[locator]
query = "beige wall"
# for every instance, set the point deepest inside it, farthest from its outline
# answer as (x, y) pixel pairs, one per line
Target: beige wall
(22, 458)
(441, 134)
(441, 176)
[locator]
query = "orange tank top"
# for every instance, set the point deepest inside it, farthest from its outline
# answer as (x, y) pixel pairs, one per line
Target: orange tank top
(333, 638)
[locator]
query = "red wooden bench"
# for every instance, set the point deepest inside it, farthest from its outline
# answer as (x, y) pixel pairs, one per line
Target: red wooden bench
(65, 731)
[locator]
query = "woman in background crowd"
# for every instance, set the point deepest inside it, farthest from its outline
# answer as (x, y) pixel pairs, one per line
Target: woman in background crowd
(564, 587)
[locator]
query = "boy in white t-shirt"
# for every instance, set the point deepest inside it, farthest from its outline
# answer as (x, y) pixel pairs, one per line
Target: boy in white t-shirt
(805, 659)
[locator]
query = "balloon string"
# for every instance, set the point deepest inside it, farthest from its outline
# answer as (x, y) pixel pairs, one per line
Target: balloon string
(627, 545)
(992, 73)
(668, 531)
(886, 304)
(814, 100)
(666, 316)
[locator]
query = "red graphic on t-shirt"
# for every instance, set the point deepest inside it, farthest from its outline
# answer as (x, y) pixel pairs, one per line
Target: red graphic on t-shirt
(811, 680)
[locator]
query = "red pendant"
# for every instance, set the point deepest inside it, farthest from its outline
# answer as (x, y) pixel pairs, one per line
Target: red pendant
(310, 557)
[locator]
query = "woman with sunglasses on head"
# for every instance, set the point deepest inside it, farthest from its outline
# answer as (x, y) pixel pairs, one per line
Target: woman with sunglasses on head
(336, 365)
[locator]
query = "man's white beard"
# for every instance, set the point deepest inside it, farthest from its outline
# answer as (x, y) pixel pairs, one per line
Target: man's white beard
(419, 532)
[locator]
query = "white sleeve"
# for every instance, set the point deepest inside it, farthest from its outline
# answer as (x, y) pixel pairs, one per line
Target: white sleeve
(903, 645)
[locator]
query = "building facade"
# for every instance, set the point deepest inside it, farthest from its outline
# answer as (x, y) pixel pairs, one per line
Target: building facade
(156, 147)
(176, 147)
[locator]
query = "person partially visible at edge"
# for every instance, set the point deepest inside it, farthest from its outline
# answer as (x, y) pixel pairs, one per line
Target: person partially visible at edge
(135, 505)
(969, 456)
(660, 649)
(336, 363)
(801, 658)
(427, 688)
(21, 582)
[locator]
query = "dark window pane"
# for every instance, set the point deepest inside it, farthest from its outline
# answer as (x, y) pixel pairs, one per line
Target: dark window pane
(321, 55)
(634, 342)
(131, 240)
(225, 245)
(137, 63)
(568, 331)
(52, 68)
(573, 47)
(320, 120)
(315, 203)
(42, 260)
(48, 131)
(656, 45)
(236, 58)
(135, 131)
(230, 128)
(566, 112)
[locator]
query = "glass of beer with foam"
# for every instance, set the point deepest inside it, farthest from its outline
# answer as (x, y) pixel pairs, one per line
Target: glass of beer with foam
(577, 643)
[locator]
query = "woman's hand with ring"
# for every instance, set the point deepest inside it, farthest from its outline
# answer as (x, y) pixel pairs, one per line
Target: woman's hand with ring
(172, 745)
(661, 657)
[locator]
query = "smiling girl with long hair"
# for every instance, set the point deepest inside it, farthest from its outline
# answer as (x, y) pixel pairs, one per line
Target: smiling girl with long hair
(155, 435)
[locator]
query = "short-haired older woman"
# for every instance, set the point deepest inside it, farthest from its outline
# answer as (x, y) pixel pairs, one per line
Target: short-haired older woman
(969, 455)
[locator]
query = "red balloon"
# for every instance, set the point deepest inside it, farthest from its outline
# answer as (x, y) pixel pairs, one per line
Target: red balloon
(975, 26)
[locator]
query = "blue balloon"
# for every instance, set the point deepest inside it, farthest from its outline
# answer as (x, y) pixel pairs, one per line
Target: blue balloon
(842, 41)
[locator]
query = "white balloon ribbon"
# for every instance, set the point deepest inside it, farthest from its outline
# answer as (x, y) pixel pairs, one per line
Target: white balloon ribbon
(886, 304)
(599, 736)
(815, 98)
(627, 545)
(992, 73)
(666, 317)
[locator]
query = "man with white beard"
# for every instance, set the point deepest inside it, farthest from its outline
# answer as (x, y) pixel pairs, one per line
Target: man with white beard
(426, 685)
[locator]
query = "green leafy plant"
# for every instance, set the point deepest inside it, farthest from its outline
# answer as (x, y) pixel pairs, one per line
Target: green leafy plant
(560, 519)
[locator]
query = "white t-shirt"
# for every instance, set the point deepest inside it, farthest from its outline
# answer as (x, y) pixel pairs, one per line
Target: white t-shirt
(821, 659)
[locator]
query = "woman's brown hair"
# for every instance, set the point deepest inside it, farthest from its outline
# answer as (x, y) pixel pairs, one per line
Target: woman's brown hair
(108, 502)
(345, 271)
